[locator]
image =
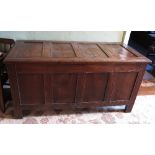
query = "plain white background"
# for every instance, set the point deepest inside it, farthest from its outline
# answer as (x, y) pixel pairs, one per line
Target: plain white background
(80, 15)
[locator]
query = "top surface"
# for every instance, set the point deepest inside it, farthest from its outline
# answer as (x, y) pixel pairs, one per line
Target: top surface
(75, 52)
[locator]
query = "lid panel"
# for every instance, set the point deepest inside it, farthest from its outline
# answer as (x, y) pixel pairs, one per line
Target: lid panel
(28, 50)
(58, 50)
(118, 51)
(84, 50)
(62, 50)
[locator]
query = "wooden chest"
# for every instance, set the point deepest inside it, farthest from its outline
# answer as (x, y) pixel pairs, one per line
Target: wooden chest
(58, 75)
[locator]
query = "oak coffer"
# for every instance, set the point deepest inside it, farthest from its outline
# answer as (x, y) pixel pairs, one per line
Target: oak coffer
(45, 74)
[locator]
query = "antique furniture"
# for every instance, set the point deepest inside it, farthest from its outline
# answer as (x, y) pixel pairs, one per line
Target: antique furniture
(5, 46)
(58, 75)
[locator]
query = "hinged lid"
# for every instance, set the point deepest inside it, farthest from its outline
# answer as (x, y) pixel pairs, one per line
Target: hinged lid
(72, 52)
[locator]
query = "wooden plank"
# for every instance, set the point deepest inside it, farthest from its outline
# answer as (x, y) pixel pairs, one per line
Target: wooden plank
(120, 85)
(64, 68)
(106, 49)
(15, 90)
(62, 50)
(70, 106)
(135, 89)
(95, 87)
(31, 88)
(90, 51)
(130, 49)
(76, 49)
(46, 51)
(64, 88)
(48, 89)
(80, 88)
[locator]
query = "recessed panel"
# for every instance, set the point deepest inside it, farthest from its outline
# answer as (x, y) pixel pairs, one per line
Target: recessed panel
(123, 84)
(94, 87)
(29, 50)
(91, 51)
(64, 88)
(117, 51)
(31, 88)
(62, 50)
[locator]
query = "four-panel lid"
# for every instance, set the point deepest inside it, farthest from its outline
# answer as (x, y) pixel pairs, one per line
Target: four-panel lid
(74, 52)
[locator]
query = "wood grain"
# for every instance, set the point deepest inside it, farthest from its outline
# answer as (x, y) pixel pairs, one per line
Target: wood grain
(57, 75)
(72, 52)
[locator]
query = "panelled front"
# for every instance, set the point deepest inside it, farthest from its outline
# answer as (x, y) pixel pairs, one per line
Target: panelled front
(61, 88)
(75, 88)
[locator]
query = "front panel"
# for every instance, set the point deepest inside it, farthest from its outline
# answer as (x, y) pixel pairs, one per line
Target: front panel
(64, 88)
(94, 87)
(77, 88)
(121, 85)
(31, 89)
